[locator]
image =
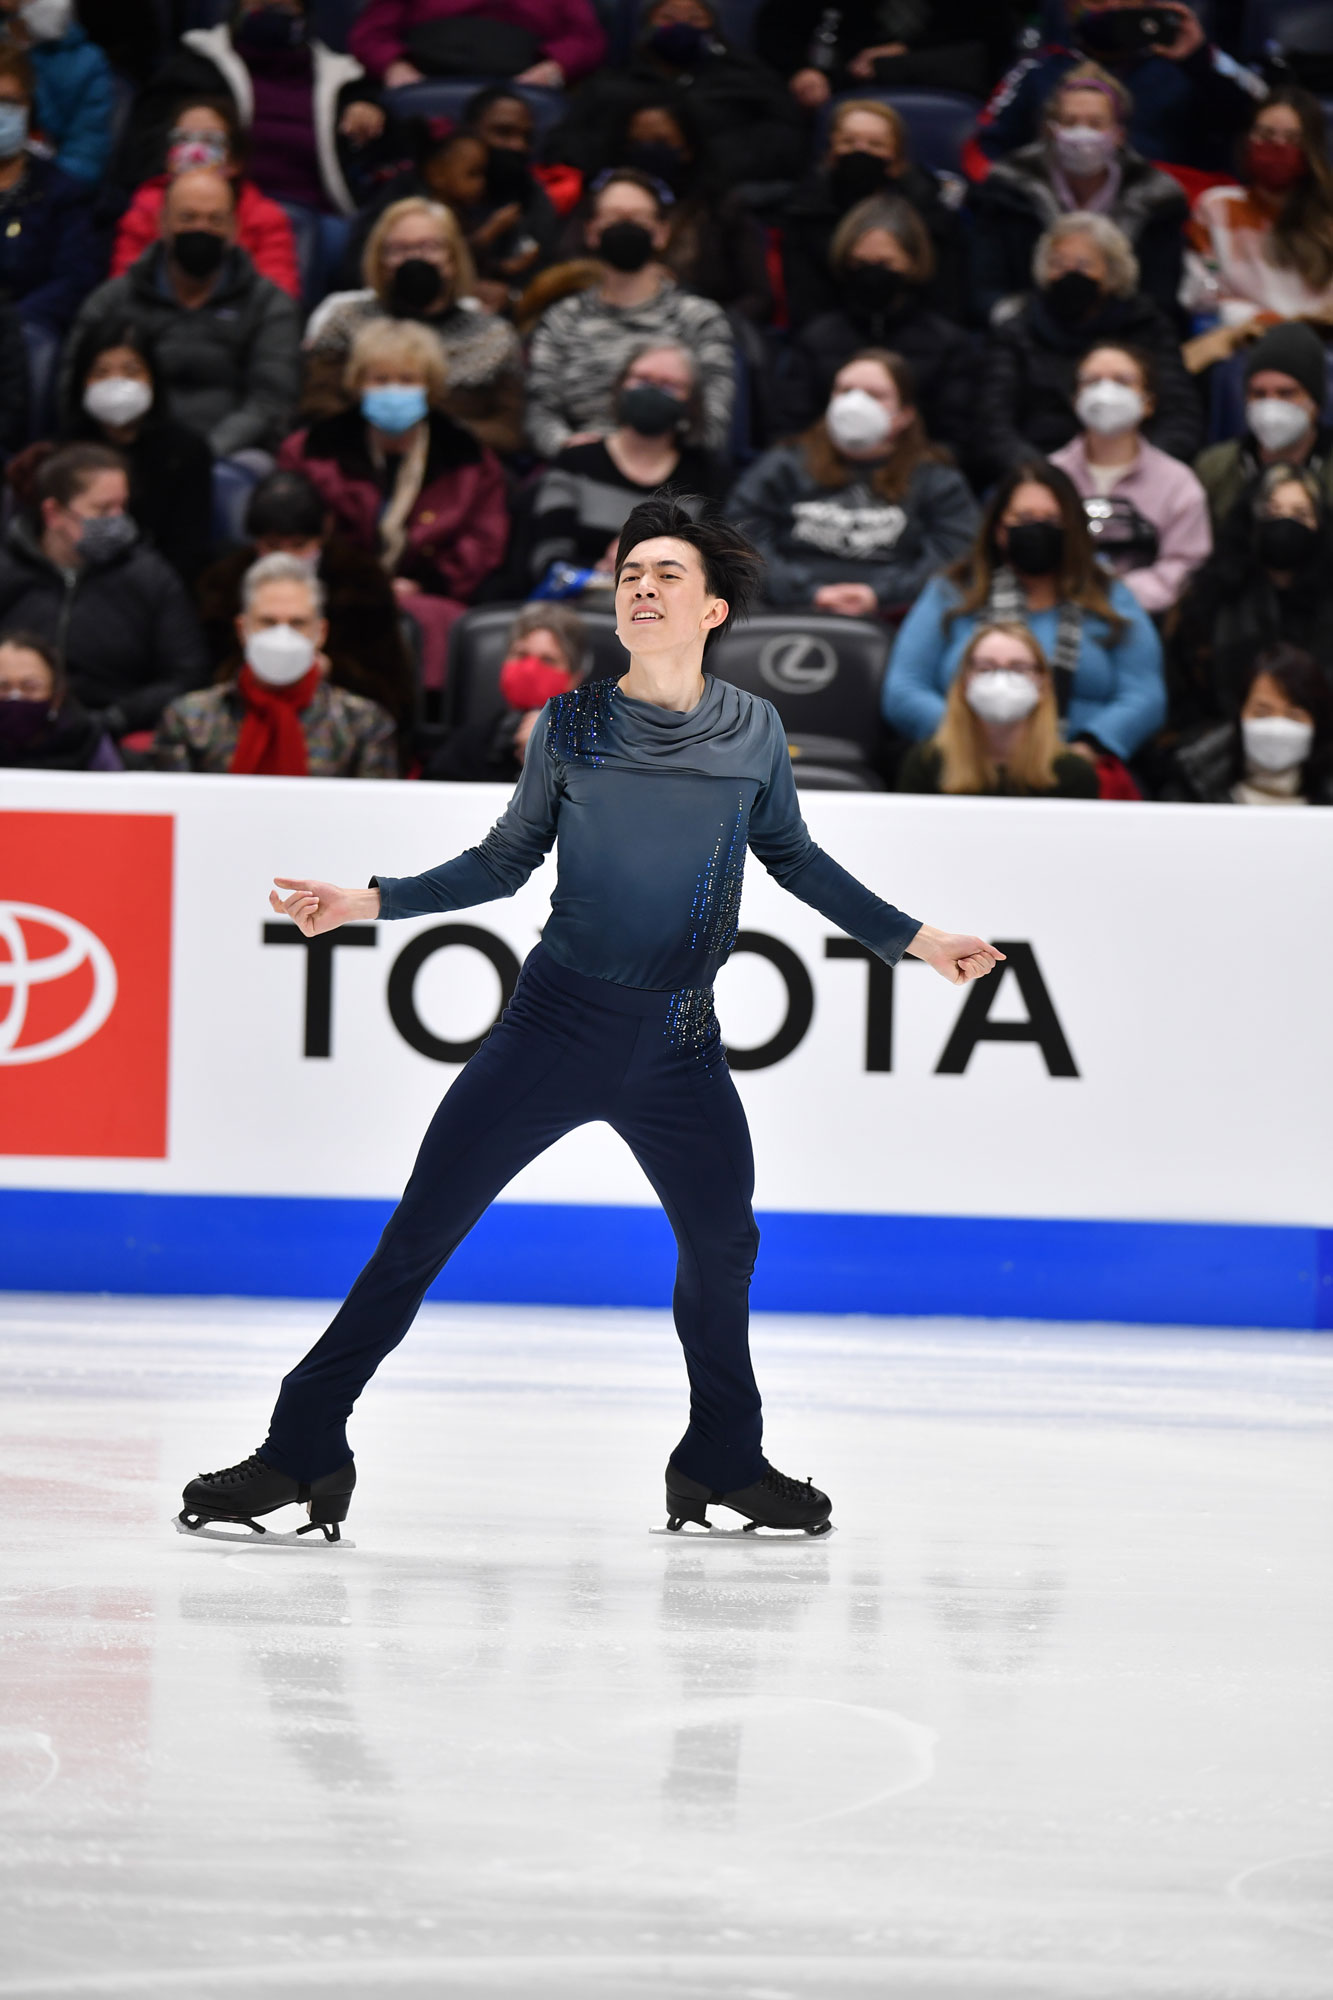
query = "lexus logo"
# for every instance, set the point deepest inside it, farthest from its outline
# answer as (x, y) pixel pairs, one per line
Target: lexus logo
(20, 973)
(802, 664)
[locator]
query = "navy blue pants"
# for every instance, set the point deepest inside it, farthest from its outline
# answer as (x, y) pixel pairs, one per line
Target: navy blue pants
(568, 1049)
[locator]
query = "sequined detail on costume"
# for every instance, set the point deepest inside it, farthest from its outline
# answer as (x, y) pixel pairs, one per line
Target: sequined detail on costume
(715, 911)
(577, 722)
(690, 1021)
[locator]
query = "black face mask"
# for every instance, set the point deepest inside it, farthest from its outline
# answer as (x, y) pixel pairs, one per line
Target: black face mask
(873, 290)
(269, 28)
(21, 723)
(854, 176)
(660, 162)
(625, 246)
(1073, 297)
(198, 252)
(679, 44)
(1035, 548)
(415, 287)
(508, 174)
(651, 411)
(1286, 544)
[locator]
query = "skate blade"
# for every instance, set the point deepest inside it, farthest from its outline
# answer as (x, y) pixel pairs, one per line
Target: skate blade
(242, 1537)
(692, 1532)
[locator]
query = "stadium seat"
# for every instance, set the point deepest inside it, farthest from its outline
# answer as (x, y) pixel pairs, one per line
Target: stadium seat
(445, 97)
(939, 121)
(823, 676)
(232, 486)
(477, 647)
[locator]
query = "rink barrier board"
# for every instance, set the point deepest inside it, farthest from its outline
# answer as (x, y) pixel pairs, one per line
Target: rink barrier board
(1161, 1273)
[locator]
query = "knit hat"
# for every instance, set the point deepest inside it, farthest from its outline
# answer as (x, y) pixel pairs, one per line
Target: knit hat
(1292, 349)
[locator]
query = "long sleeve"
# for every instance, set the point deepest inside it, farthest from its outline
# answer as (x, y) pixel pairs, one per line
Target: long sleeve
(761, 504)
(781, 839)
(912, 700)
(76, 266)
(547, 363)
(176, 653)
(376, 37)
(515, 845)
(1138, 705)
(998, 441)
(138, 229)
(1185, 542)
(946, 518)
(575, 39)
(273, 379)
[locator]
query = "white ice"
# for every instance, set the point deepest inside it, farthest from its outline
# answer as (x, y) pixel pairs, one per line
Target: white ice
(1049, 1715)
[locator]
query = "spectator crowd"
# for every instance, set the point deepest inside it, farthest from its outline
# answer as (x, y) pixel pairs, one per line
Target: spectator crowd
(338, 340)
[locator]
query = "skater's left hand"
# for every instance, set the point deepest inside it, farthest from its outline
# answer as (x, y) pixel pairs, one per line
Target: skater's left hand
(954, 955)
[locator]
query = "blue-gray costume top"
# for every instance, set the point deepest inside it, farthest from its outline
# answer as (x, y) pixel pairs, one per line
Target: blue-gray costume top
(654, 810)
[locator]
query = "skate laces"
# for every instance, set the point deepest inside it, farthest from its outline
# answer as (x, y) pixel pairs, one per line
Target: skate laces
(232, 1475)
(785, 1488)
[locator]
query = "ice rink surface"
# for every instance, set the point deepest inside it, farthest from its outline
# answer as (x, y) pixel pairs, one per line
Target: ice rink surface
(1049, 1715)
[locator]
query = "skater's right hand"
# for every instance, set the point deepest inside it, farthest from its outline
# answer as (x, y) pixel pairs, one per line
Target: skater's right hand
(315, 907)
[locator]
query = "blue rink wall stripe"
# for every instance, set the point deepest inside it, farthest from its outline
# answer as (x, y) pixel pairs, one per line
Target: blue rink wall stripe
(1172, 1273)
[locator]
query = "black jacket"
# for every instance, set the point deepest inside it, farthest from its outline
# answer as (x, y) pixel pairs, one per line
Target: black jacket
(125, 628)
(939, 353)
(1208, 761)
(953, 44)
(1028, 382)
(171, 487)
(51, 251)
(13, 382)
(1016, 203)
(811, 217)
(1231, 611)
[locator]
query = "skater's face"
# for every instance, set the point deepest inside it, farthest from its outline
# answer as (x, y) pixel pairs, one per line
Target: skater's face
(662, 600)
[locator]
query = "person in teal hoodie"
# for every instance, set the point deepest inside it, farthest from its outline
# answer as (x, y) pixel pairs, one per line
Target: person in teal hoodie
(76, 94)
(1033, 564)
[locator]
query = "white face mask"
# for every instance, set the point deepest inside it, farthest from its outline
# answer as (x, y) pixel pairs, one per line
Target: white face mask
(46, 20)
(117, 399)
(1083, 149)
(1276, 424)
(1108, 407)
(279, 654)
(856, 422)
(1001, 694)
(1276, 742)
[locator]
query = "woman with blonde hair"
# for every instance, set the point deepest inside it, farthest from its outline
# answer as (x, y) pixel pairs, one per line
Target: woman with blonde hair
(418, 269)
(406, 482)
(1000, 733)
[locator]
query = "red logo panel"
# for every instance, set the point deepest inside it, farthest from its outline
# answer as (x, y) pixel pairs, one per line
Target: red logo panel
(85, 983)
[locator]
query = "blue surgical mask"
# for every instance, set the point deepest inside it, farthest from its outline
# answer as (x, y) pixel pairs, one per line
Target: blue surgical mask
(13, 129)
(395, 407)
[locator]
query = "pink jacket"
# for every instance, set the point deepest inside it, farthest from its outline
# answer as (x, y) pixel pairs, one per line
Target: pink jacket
(1166, 493)
(263, 231)
(568, 30)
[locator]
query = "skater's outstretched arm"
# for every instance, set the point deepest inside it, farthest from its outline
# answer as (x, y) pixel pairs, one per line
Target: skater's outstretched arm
(781, 839)
(499, 866)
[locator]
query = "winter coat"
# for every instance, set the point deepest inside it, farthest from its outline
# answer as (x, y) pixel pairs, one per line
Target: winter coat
(1017, 202)
(483, 364)
(568, 30)
(1208, 760)
(230, 367)
(1028, 381)
(13, 382)
(76, 103)
(809, 222)
(941, 356)
(459, 522)
(207, 63)
(263, 231)
(1168, 495)
(1231, 612)
(583, 501)
(171, 487)
(124, 628)
(345, 735)
(51, 252)
(69, 740)
(1074, 776)
(1227, 470)
(1118, 695)
(810, 535)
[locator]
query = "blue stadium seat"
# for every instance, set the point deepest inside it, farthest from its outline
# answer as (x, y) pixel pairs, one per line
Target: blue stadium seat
(232, 486)
(43, 372)
(939, 122)
(444, 97)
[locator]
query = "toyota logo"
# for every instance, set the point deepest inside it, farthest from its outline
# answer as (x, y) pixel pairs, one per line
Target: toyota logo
(799, 665)
(20, 972)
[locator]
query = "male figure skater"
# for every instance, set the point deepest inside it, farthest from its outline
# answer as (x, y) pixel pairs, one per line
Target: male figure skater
(653, 786)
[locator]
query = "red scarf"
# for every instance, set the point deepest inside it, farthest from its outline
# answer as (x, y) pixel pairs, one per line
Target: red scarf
(272, 741)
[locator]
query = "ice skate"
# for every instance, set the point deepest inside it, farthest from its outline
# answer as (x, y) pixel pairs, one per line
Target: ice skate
(774, 1506)
(237, 1493)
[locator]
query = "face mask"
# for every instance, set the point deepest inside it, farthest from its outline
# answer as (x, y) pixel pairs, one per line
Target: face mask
(117, 399)
(625, 246)
(395, 407)
(1083, 149)
(1276, 742)
(13, 129)
(198, 149)
(415, 287)
(1072, 297)
(508, 175)
(269, 28)
(660, 162)
(1001, 694)
(47, 20)
(199, 252)
(1275, 163)
(526, 681)
(279, 655)
(872, 289)
(1108, 407)
(853, 176)
(21, 723)
(1286, 544)
(1276, 424)
(1036, 548)
(856, 422)
(107, 536)
(651, 411)
(679, 44)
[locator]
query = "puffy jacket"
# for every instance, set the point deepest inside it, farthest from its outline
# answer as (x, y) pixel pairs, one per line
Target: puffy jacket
(76, 103)
(1028, 381)
(230, 367)
(459, 522)
(810, 535)
(125, 628)
(51, 255)
(941, 356)
(263, 231)
(568, 30)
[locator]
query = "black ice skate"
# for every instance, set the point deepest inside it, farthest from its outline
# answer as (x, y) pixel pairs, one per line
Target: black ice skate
(239, 1492)
(774, 1505)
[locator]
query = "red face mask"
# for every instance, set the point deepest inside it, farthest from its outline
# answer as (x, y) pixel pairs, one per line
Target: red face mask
(1275, 163)
(526, 682)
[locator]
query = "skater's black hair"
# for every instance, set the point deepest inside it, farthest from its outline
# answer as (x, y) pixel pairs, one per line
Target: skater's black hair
(732, 565)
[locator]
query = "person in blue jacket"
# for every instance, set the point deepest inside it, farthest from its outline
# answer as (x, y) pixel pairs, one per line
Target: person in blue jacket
(76, 96)
(1033, 563)
(654, 786)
